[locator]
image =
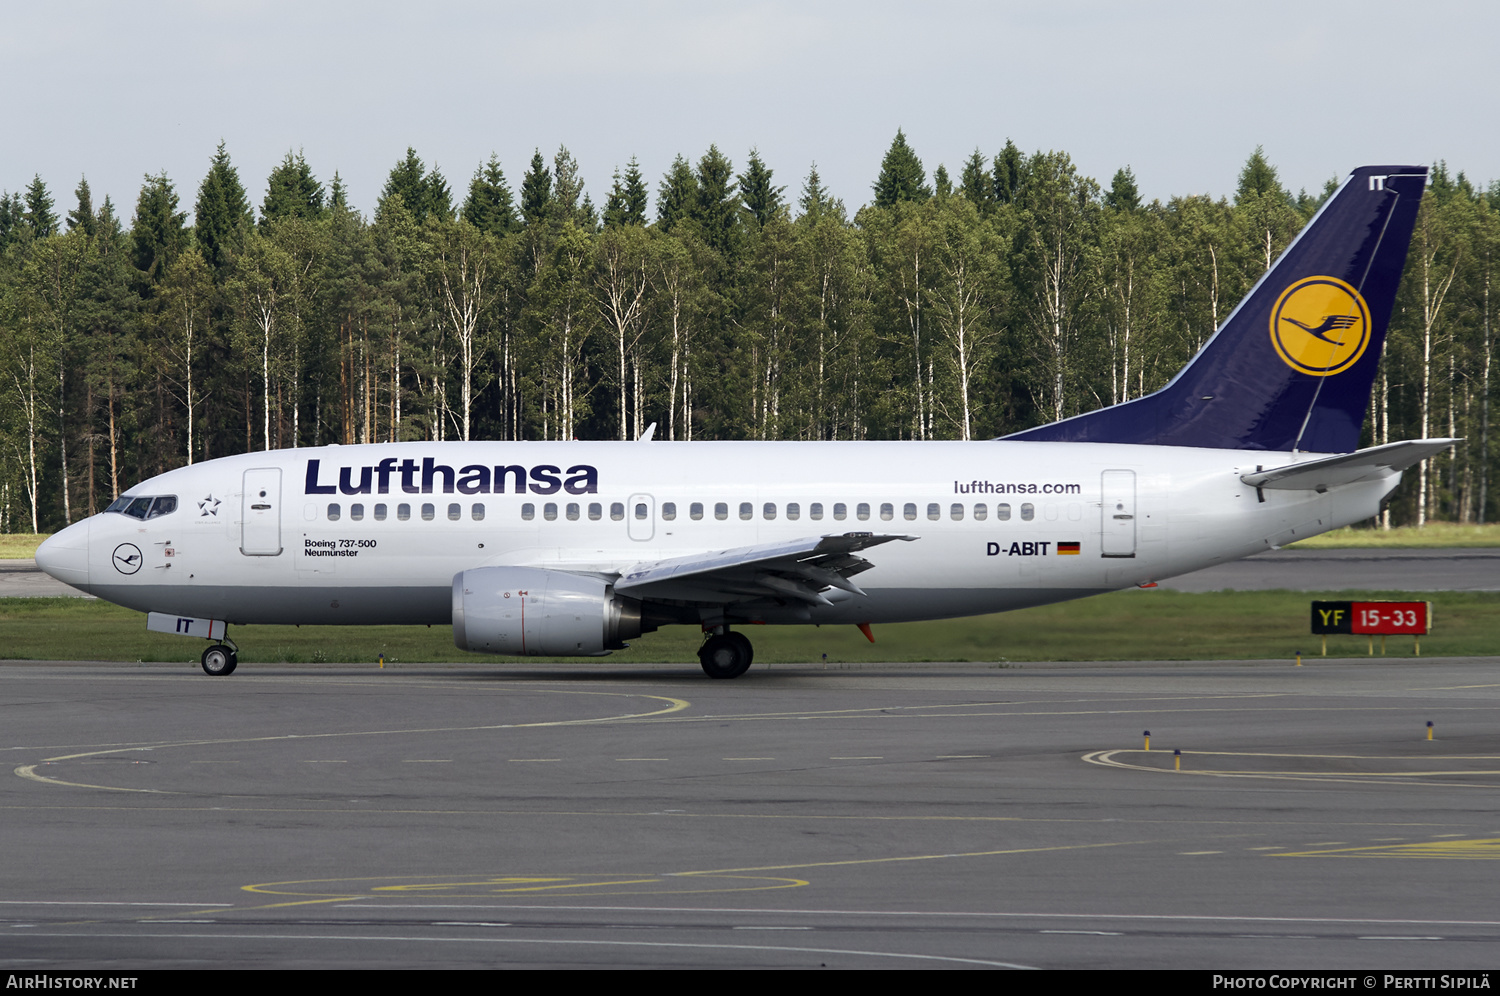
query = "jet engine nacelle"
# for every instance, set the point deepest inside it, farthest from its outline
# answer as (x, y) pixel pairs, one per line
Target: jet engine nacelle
(531, 613)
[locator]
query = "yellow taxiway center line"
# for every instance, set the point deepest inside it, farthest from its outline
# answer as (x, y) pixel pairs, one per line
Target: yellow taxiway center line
(911, 857)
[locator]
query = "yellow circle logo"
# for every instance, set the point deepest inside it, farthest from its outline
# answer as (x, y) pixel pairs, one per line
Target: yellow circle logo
(1320, 326)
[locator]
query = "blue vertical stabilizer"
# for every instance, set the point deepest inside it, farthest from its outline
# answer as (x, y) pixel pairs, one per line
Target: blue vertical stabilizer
(1292, 366)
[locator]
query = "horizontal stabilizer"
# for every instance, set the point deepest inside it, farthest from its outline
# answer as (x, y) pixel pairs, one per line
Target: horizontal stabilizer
(1346, 468)
(799, 570)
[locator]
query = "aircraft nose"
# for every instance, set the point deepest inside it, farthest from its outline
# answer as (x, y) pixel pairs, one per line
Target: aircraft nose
(65, 555)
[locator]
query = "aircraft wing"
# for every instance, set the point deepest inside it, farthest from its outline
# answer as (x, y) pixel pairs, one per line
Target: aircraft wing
(796, 570)
(1346, 468)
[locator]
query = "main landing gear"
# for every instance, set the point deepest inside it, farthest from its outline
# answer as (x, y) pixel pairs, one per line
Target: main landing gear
(726, 655)
(221, 659)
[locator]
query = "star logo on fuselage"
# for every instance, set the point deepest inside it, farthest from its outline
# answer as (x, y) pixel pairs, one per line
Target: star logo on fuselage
(208, 506)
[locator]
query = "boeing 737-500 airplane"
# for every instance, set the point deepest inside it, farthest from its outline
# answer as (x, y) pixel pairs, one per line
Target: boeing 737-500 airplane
(572, 548)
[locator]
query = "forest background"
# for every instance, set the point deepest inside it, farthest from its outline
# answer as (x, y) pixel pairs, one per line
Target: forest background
(1015, 293)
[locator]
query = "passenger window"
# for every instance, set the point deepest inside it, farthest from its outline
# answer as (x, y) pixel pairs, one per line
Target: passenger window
(333, 512)
(981, 512)
(617, 510)
(669, 511)
(1002, 512)
(887, 511)
(549, 511)
(356, 513)
(596, 511)
(1028, 512)
(476, 512)
(934, 510)
(403, 511)
(429, 511)
(769, 510)
(815, 510)
(956, 512)
(1049, 512)
(379, 513)
(721, 510)
(455, 512)
(793, 510)
(746, 510)
(528, 511)
(909, 510)
(840, 510)
(695, 510)
(572, 511)
(862, 510)
(640, 510)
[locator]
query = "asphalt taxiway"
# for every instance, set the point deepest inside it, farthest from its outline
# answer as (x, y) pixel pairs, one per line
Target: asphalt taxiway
(916, 816)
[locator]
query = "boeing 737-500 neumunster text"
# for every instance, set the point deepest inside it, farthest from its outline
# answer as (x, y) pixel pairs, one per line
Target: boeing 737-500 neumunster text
(572, 548)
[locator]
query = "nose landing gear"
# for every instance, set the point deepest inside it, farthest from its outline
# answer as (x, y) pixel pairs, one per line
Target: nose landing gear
(221, 659)
(726, 655)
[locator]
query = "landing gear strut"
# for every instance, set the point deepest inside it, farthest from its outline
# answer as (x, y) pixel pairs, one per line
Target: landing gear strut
(726, 655)
(220, 659)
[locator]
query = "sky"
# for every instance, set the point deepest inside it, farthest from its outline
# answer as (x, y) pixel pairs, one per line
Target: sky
(1182, 92)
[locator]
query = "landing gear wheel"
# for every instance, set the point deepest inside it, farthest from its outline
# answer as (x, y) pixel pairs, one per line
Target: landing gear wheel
(219, 660)
(743, 642)
(725, 656)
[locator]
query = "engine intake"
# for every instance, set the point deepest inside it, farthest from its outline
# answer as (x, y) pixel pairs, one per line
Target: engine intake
(536, 613)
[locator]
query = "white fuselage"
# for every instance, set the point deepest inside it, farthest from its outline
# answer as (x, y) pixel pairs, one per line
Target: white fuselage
(996, 523)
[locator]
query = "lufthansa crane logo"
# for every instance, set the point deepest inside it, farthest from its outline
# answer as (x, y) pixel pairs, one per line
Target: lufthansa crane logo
(127, 558)
(1320, 326)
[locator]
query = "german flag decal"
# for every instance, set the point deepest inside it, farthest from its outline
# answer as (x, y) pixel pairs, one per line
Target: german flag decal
(1064, 549)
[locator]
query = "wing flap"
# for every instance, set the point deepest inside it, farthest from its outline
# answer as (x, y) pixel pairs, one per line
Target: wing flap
(796, 570)
(1347, 468)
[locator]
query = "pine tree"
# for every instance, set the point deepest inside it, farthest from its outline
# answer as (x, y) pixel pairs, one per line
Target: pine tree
(941, 183)
(338, 195)
(12, 219)
(716, 204)
(762, 201)
(83, 215)
(567, 190)
(1123, 194)
(902, 177)
(407, 179)
(490, 207)
(437, 196)
(536, 191)
(1265, 211)
(815, 200)
(615, 210)
(1258, 179)
(1009, 166)
(975, 183)
(158, 232)
(39, 218)
(635, 193)
(677, 194)
(292, 191)
(222, 214)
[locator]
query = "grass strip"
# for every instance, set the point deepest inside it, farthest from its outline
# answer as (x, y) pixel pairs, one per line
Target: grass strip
(1128, 625)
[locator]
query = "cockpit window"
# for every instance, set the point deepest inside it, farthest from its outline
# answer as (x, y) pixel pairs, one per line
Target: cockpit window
(143, 507)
